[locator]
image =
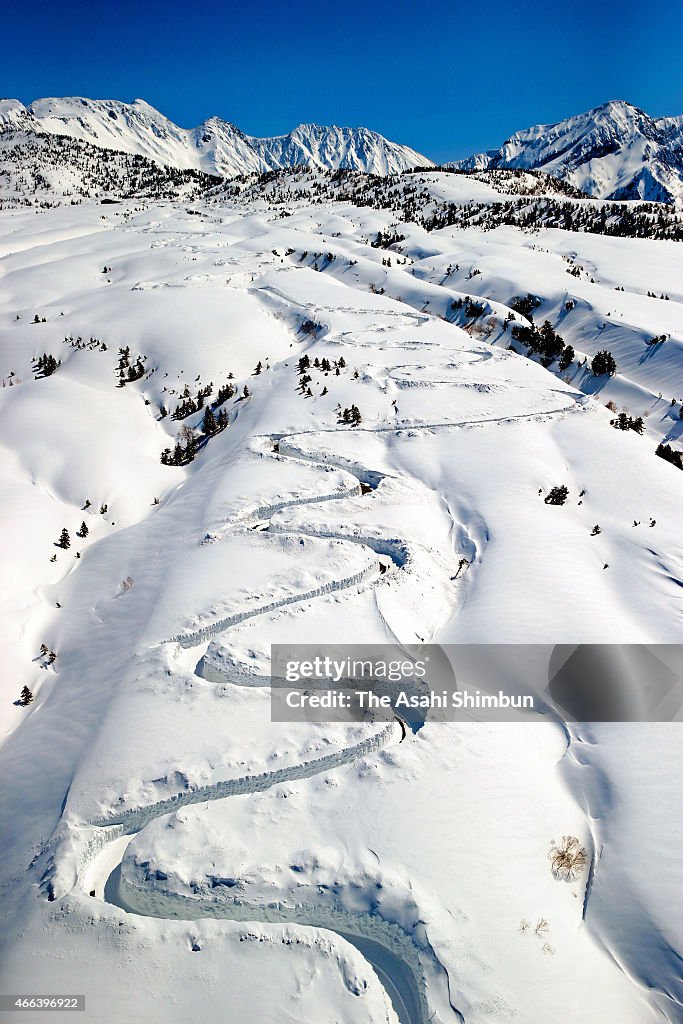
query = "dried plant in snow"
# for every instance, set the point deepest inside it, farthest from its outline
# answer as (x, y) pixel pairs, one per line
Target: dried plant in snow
(568, 858)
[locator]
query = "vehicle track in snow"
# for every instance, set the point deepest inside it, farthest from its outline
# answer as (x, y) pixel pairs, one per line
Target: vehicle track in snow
(391, 950)
(393, 953)
(398, 550)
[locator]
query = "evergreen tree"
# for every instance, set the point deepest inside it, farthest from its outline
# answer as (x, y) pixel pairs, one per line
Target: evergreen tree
(665, 451)
(567, 357)
(626, 422)
(64, 539)
(83, 532)
(26, 697)
(557, 495)
(603, 363)
(209, 425)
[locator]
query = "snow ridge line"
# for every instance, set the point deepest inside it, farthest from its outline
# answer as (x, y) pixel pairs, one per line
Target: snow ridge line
(198, 636)
(134, 819)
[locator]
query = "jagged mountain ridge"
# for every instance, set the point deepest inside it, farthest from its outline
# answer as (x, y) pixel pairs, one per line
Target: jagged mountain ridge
(215, 146)
(615, 151)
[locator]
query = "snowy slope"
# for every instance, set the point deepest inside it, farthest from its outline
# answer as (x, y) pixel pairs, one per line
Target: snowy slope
(165, 842)
(215, 146)
(615, 151)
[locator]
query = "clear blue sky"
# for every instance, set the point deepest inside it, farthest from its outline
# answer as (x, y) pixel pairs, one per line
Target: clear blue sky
(446, 78)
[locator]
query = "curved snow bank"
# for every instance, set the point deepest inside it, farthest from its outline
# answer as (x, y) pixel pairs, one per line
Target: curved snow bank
(199, 636)
(396, 957)
(628, 799)
(136, 818)
(392, 548)
(365, 476)
(385, 944)
(243, 519)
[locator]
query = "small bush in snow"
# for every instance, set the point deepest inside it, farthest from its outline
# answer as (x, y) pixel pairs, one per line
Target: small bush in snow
(567, 857)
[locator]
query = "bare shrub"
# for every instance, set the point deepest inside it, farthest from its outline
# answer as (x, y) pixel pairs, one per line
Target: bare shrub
(568, 858)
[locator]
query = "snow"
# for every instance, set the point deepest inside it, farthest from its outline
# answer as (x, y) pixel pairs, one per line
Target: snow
(147, 768)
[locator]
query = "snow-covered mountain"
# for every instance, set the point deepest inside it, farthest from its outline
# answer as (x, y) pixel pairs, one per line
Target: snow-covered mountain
(615, 151)
(215, 146)
(311, 406)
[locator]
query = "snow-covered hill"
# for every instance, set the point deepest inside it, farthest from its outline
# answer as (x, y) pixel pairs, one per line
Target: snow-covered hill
(615, 151)
(215, 146)
(178, 381)
(38, 169)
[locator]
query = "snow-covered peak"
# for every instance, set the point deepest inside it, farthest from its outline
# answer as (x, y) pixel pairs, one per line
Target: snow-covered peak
(14, 117)
(614, 151)
(332, 147)
(130, 127)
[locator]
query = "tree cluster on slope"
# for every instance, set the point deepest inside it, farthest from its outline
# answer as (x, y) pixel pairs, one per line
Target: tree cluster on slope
(669, 454)
(45, 365)
(46, 169)
(129, 372)
(625, 422)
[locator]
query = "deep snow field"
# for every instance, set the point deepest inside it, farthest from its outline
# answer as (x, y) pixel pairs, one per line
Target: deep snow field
(168, 850)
